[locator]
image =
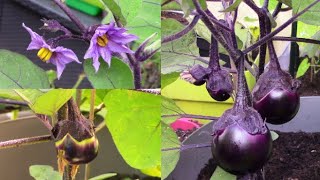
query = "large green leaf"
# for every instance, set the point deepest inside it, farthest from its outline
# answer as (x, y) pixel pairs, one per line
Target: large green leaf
(178, 54)
(147, 22)
(9, 94)
(133, 120)
(169, 110)
(118, 75)
(130, 8)
(167, 79)
(169, 158)
(312, 16)
(44, 172)
(47, 103)
(17, 71)
(220, 174)
(311, 50)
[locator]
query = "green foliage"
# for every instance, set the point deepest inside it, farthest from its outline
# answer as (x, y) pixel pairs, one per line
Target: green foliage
(167, 79)
(103, 176)
(115, 9)
(44, 172)
(233, 6)
(133, 120)
(188, 6)
(169, 159)
(303, 68)
(17, 71)
(311, 50)
(118, 75)
(47, 103)
(178, 54)
(220, 174)
(312, 16)
(169, 107)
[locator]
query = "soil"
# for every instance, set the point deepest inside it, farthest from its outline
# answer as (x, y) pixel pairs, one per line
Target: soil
(308, 87)
(296, 156)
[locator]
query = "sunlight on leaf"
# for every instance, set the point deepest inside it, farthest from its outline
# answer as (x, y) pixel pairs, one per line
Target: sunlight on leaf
(167, 79)
(154, 172)
(312, 16)
(133, 119)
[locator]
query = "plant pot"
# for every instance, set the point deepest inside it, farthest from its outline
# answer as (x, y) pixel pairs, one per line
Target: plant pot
(15, 162)
(192, 161)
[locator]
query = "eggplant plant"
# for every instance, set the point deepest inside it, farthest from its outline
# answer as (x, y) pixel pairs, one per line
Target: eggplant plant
(74, 120)
(247, 33)
(117, 49)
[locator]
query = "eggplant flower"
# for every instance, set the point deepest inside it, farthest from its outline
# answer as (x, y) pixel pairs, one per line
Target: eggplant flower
(59, 56)
(106, 40)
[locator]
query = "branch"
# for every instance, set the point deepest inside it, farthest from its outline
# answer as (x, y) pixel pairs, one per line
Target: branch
(280, 28)
(71, 15)
(186, 147)
(13, 102)
(294, 39)
(183, 32)
(25, 141)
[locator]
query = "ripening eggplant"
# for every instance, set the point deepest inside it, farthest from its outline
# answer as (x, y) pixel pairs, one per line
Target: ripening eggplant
(275, 94)
(241, 141)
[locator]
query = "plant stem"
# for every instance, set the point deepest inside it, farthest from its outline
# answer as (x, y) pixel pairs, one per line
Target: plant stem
(214, 55)
(279, 29)
(277, 9)
(87, 171)
(294, 39)
(186, 147)
(71, 15)
(191, 116)
(25, 141)
(92, 102)
(217, 35)
(183, 32)
(79, 81)
(13, 102)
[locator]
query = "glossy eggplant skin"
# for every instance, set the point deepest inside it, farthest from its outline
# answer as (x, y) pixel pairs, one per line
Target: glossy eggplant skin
(279, 106)
(275, 96)
(239, 152)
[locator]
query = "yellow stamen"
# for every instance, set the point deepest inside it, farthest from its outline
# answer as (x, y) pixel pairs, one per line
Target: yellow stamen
(44, 54)
(102, 40)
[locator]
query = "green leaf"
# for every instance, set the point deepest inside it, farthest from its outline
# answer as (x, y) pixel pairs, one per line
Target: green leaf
(312, 16)
(178, 54)
(46, 103)
(9, 94)
(311, 50)
(303, 67)
(115, 9)
(274, 135)
(188, 6)
(133, 120)
(169, 110)
(52, 76)
(44, 172)
(147, 22)
(286, 2)
(130, 8)
(220, 174)
(233, 6)
(104, 176)
(169, 159)
(118, 75)
(17, 71)
(167, 79)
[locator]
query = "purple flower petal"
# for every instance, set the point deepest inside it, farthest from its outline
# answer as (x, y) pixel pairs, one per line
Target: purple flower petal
(115, 47)
(123, 39)
(60, 67)
(37, 42)
(67, 55)
(105, 54)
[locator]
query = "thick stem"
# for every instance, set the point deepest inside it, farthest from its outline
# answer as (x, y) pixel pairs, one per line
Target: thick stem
(274, 62)
(183, 32)
(71, 15)
(217, 35)
(242, 100)
(137, 75)
(214, 55)
(25, 141)
(279, 29)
